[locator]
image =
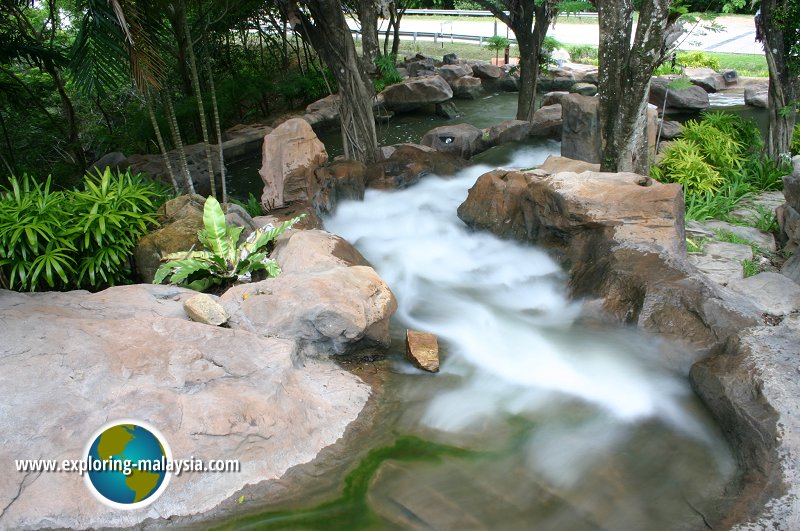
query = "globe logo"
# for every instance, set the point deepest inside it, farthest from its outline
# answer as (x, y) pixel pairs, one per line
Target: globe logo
(127, 464)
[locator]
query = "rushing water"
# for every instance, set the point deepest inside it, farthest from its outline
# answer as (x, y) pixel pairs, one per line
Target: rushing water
(539, 419)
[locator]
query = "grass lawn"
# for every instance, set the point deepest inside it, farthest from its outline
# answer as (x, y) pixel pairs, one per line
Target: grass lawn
(744, 64)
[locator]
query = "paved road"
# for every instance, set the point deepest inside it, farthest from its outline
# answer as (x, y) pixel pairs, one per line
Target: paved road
(738, 35)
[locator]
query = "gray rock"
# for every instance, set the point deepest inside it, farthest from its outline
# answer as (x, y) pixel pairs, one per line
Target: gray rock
(756, 97)
(564, 76)
(130, 352)
(114, 161)
(417, 92)
(722, 262)
(467, 88)
(447, 110)
(706, 78)
(791, 185)
(791, 268)
(463, 140)
(204, 309)
(553, 98)
(486, 71)
(772, 293)
(547, 122)
(451, 72)
(671, 130)
(580, 138)
(507, 131)
(691, 98)
(752, 389)
(450, 59)
(585, 89)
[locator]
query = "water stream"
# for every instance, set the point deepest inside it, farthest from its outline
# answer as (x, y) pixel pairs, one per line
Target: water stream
(539, 419)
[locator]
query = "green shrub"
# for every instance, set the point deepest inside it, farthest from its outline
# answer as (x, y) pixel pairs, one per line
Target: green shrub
(764, 174)
(387, 69)
(765, 219)
(252, 207)
(576, 6)
(582, 53)
(75, 238)
(224, 260)
(795, 146)
(750, 268)
(743, 131)
(549, 45)
(720, 150)
(698, 59)
(685, 163)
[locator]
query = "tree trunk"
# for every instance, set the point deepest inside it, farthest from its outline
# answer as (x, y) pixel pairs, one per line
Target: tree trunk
(784, 88)
(331, 38)
(162, 146)
(178, 143)
(201, 111)
(624, 80)
(218, 130)
(370, 46)
(528, 70)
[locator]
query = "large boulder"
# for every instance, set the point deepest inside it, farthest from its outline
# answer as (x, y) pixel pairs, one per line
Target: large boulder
(547, 122)
(670, 130)
(580, 137)
(757, 96)
(416, 92)
(467, 88)
(323, 112)
(325, 300)
(451, 72)
(115, 161)
(486, 71)
(462, 140)
(565, 76)
(691, 98)
(706, 78)
(507, 131)
(290, 155)
(243, 140)
(405, 164)
(638, 266)
(789, 212)
(131, 352)
(553, 98)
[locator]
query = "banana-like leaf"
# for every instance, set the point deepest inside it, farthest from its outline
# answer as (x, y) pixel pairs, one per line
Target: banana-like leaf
(215, 229)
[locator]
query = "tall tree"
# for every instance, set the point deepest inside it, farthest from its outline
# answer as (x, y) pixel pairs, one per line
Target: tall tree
(778, 28)
(324, 25)
(624, 82)
(368, 11)
(529, 20)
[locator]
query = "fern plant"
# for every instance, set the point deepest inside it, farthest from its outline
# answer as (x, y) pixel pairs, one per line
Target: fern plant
(685, 163)
(224, 260)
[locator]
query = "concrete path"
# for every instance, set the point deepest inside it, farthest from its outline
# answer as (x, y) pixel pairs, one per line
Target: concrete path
(737, 36)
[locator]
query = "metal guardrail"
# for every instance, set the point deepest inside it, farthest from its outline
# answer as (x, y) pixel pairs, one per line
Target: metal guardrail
(477, 13)
(438, 36)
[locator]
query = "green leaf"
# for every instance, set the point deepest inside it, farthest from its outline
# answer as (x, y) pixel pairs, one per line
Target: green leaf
(215, 229)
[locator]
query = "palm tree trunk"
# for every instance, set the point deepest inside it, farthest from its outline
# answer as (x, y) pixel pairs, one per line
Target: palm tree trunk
(200, 108)
(176, 140)
(161, 145)
(218, 128)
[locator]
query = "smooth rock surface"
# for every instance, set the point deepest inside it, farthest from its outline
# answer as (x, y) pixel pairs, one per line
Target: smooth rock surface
(486, 71)
(416, 92)
(422, 350)
(290, 155)
(204, 309)
(670, 130)
(462, 140)
(584, 89)
(130, 352)
(507, 131)
(691, 98)
(467, 88)
(756, 97)
(772, 293)
(451, 72)
(751, 234)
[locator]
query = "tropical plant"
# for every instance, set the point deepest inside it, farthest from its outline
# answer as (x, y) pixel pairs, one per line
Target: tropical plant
(224, 260)
(764, 219)
(389, 75)
(745, 132)
(74, 238)
(497, 43)
(794, 148)
(721, 151)
(765, 174)
(698, 59)
(252, 206)
(685, 163)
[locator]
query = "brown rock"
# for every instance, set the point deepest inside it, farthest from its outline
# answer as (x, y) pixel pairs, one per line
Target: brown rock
(467, 88)
(689, 98)
(486, 71)
(408, 163)
(422, 349)
(507, 131)
(204, 309)
(290, 156)
(416, 92)
(552, 98)
(452, 72)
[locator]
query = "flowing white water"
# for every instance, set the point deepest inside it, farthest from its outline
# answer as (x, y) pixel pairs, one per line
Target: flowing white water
(510, 335)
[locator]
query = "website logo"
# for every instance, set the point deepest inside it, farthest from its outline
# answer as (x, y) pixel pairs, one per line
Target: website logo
(127, 464)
